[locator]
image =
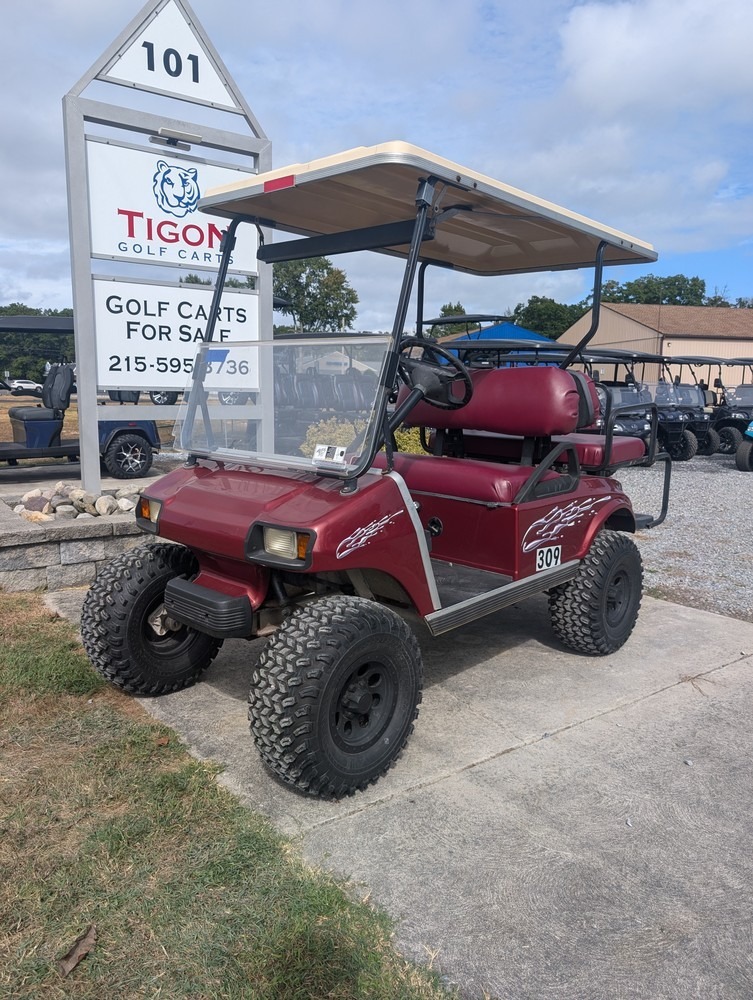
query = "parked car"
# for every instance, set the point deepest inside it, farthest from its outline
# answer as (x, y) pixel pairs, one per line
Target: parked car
(24, 383)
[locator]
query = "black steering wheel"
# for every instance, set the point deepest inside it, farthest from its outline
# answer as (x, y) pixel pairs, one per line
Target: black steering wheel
(433, 377)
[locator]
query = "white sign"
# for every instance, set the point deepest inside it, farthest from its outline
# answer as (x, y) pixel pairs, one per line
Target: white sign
(144, 208)
(148, 335)
(167, 57)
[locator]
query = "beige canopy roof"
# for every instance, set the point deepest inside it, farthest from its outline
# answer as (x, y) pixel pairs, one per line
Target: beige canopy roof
(494, 228)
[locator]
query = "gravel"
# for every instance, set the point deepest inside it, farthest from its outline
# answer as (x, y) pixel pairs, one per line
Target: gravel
(702, 555)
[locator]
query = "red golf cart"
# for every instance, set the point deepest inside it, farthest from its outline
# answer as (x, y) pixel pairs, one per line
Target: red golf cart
(306, 527)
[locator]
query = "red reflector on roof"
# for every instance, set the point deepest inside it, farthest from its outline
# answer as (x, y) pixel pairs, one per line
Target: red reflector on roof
(280, 182)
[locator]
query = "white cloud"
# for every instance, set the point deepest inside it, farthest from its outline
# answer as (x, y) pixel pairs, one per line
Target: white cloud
(661, 57)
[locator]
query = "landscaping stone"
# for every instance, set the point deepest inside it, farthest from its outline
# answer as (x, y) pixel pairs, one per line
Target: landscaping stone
(105, 505)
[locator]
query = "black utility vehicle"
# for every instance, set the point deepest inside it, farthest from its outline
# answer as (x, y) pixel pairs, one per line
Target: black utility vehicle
(735, 409)
(126, 447)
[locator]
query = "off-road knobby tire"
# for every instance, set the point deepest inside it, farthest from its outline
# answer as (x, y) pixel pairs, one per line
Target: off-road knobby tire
(595, 612)
(710, 444)
(120, 643)
(744, 456)
(685, 449)
(128, 456)
(730, 439)
(305, 733)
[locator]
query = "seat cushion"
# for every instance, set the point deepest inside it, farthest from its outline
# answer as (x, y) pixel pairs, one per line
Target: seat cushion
(591, 449)
(26, 413)
(462, 478)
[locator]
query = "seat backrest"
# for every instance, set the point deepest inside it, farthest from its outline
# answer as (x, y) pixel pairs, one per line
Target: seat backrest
(536, 401)
(57, 388)
(349, 393)
(589, 408)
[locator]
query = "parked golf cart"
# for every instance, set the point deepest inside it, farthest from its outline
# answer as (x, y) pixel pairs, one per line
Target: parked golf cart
(734, 411)
(744, 453)
(322, 544)
(126, 447)
(679, 415)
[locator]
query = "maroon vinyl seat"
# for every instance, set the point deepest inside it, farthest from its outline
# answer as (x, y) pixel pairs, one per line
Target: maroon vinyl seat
(464, 478)
(513, 408)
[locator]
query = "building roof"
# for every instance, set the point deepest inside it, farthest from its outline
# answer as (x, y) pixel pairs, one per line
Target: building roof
(689, 321)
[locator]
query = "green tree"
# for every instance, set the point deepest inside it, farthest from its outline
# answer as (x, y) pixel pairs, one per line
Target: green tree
(547, 317)
(718, 300)
(317, 294)
(652, 289)
(448, 329)
(24, 354)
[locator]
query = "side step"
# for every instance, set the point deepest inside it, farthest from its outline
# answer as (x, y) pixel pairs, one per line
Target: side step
(493, 600)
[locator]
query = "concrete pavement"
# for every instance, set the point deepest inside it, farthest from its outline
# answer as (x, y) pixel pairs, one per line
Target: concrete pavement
(559, 826)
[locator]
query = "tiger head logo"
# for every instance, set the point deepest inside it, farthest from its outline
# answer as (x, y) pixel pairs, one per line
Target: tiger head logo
(176, 189)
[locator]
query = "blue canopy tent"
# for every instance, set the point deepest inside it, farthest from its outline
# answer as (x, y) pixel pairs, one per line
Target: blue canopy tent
(501, 331)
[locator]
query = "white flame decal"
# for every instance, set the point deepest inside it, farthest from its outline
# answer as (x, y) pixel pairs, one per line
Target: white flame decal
(362, 536)
(549, 528)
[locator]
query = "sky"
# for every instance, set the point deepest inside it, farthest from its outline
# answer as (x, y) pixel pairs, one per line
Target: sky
(638, 114)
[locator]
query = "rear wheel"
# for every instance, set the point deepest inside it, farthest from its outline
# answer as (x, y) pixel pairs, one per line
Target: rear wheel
(127, 633)
(128, 456)
(162, 397)
(232, 398)
(685, 449)
(335, 695)
(744, 456)
(710, 444)
(595, 612)
(730, 439)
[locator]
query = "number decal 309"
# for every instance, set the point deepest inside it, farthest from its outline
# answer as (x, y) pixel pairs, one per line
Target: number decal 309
(548, 556)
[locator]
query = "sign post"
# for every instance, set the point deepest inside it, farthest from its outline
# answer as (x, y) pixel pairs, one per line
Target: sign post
(134, 182)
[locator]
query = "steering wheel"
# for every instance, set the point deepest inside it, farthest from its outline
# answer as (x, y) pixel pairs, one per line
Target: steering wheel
(434, 377)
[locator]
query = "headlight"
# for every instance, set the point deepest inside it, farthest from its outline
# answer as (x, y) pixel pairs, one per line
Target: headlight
(740, 416)
(619, 428)
(684, 416)
(647, 427)
(147, 513)
(286, 544)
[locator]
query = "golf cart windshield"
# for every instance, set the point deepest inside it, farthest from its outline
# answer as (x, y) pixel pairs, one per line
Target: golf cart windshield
(303, 404)
(741, 395)
(671, 394)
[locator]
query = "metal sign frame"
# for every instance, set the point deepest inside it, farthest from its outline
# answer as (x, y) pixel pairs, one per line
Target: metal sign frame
(81, 116)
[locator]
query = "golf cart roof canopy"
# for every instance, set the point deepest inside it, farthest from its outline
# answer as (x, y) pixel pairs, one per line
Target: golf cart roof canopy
(482, 225)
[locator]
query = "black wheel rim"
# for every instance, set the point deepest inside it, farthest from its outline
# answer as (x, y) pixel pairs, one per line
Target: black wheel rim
(364, 706)
(617, 598)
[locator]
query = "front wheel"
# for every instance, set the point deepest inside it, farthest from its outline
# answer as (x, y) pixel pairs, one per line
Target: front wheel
(335, 695)
(128, 456)
(744, 456)
(710, 444)
(685, 449)
(730, 439)
(127, 633)
(595, 612)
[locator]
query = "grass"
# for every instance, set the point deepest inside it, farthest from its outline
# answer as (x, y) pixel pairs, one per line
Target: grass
(106, 820)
